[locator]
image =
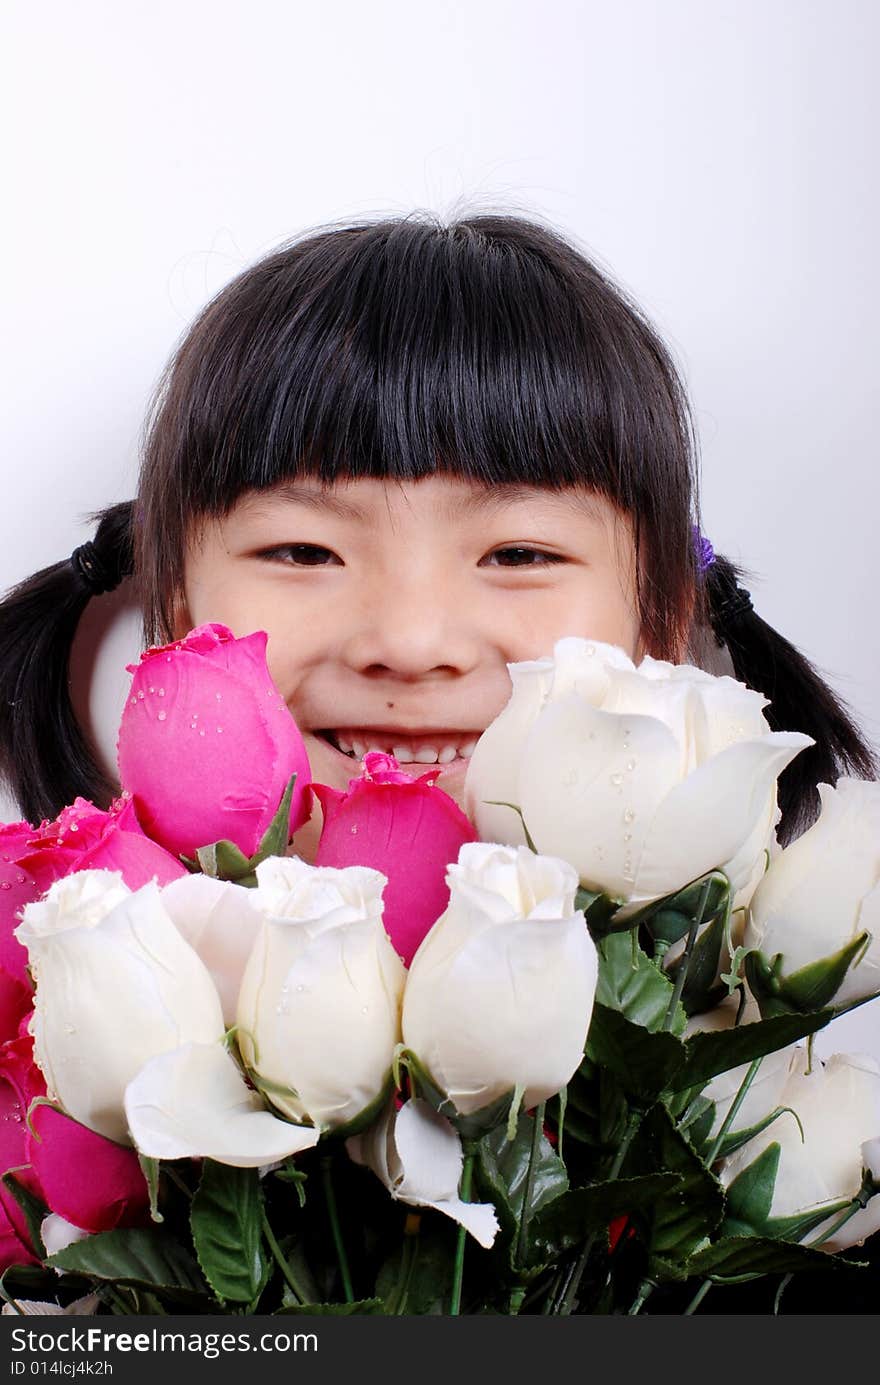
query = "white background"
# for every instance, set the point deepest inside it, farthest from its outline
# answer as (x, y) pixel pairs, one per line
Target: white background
(718, 156)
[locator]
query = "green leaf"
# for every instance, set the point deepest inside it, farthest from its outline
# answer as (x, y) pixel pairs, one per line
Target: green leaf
(225, 1219)
(277, 835)
(367, 1306)
(566, 1221)
(702, 972)
(33, 1208)
(633, 984)
(756, 1255)
(146, 1257)
(686, 1216)
(750, 1194)
(643, 1062)
(501, 1167)
(150, 1170)
(708, 1054)
(429, 1282)
(809, 989)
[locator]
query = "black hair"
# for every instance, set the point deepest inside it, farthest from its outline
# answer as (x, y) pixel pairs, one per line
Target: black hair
(491, 348)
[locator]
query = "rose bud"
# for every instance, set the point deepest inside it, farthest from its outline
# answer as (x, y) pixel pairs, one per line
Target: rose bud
(84, 837)
(645, 778)
(408, 829)
(499, 995)
(207, 744)
(319, 1008)
(116, 984)
(823, 1152)
(822, 892)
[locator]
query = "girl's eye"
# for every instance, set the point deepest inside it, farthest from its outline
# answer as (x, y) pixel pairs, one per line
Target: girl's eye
(303, 555)
(521, 557)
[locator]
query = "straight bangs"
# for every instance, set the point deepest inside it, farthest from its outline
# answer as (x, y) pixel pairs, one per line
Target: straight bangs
(489, 349)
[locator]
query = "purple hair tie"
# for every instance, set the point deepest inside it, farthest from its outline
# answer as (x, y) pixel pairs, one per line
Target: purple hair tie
(704, 550)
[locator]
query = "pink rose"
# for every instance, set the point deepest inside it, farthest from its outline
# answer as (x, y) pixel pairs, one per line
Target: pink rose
(89, 1181)
(207, 744)
(408, 829)
(16, 999)
(20, 1081)
(84, 837)
(86, 1179)
(17, 888)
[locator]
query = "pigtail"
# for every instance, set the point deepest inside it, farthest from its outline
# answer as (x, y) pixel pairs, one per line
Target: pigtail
(45, 758)
(800, 700)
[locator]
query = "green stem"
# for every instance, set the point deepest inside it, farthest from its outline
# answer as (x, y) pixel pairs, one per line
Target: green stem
(330, 1196)
(698, 1298)
(458, 1268)
(734, 1108)
(396, 1303)
(633, 1121)
(537, 1131)
(281, 1261)
(681, 976)
(646, 1289)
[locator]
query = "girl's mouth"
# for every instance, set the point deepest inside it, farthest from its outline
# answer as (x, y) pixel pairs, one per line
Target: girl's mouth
(412, 750)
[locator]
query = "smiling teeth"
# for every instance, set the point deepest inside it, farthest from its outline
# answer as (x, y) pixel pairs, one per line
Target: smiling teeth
(405, 754)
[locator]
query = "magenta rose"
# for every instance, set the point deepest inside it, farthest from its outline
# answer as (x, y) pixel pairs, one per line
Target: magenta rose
(17, 888)
(84, 837)
(207, 743)
(86, 1179)
(406, 828)
(20, 1081)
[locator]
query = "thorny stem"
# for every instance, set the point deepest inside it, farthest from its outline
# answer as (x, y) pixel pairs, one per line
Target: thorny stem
(281, 1262)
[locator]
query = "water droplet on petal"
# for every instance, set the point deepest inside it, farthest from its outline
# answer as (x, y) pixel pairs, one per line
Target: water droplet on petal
(152, 689)
(218, 696)
(5, 885)
(202, 732)
(630, 764)
(219, 730)
(161, 692)
(160, 716)
(617, 779)
(20, 879)
(353, 830)
(140, 697)
(629, 815)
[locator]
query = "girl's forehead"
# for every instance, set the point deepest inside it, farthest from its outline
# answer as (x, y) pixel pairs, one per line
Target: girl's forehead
(444, 497)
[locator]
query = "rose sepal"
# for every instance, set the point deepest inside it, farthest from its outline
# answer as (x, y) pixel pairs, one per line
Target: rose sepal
(469, 1127)
(812, 987)
(365, 1118)
(223, 860)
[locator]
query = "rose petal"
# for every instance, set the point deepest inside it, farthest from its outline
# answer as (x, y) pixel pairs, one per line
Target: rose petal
(192, 1102)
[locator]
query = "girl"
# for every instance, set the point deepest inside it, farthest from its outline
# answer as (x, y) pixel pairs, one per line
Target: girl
(412, 453)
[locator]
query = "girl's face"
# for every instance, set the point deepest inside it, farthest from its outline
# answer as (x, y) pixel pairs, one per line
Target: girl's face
(393, 608)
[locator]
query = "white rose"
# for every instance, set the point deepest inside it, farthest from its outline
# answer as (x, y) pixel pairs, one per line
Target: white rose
(116, 984)
(417, 1154)
(823, 890)
(218, 920)
(765, 1090)
(500, 993)
(838, 1105)
(644, 778)
(319, 1007)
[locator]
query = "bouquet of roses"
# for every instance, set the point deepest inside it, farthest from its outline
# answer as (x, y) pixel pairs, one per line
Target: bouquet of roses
(551, 1056)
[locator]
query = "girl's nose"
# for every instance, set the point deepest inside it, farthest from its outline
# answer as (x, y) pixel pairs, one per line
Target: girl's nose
(410, 631)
